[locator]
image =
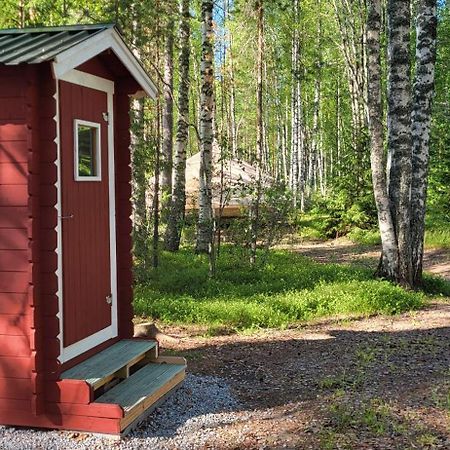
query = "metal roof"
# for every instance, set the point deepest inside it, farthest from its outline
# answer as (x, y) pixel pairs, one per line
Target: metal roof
(37, 45)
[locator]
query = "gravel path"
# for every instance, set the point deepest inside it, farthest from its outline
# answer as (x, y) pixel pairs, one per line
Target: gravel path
(186, 420)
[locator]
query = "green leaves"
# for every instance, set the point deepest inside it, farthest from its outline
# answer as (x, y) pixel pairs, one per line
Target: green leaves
(288, 290)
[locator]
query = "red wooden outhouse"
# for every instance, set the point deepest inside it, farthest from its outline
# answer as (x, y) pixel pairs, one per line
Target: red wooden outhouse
(67, 356)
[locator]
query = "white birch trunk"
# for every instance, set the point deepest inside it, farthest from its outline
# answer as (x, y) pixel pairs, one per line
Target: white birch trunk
(167, 119)
(399, 130)
(178, 201)
(294, 112)
(426, 24)
(205, 213)
(389, 258)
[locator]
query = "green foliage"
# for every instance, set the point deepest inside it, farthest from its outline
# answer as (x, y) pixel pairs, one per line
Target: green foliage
(275, 217)
(338, 214)
(364, 237)
(439, 179)
(288, 290)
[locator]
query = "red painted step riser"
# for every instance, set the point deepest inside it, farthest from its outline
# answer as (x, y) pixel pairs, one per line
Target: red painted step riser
(68, 391)
(58, 421)
(108, 411)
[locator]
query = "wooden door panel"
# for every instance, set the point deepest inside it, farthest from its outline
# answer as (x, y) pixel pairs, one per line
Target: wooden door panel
(85, 221)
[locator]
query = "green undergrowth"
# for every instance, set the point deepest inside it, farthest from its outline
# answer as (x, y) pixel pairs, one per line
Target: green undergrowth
(437, 233)
(435, 237)
(287, 290)
(317, 226)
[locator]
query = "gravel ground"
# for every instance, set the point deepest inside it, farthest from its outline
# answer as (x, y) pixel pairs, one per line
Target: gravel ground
(186, 420)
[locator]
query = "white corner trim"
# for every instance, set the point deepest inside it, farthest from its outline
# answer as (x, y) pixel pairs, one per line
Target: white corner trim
(73, 350)
(91, 47)
(58, 230)
(98, 146)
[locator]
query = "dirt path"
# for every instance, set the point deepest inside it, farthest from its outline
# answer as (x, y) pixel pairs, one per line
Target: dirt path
(377, 383)
(342, 250)
(374, 383)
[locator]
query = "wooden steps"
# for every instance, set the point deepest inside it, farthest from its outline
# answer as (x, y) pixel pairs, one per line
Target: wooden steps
(114, 362)
(129, 376)
(143, 389)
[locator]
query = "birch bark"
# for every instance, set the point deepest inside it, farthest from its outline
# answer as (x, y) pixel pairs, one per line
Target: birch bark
(178, 200)
(426, 25)
(205, 214)
(167, 119)
(399, 130)
(389, 259)
(294, 109)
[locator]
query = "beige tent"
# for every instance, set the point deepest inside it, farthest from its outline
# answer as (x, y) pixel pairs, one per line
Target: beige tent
(237, 176)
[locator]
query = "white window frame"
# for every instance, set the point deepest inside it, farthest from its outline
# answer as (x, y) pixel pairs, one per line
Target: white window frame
(98, 153)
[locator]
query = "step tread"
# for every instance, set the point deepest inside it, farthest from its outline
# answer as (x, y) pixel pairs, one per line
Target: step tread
(141, 385)
(108, 361)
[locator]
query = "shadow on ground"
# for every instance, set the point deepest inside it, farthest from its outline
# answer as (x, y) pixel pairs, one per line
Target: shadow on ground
(374, 384)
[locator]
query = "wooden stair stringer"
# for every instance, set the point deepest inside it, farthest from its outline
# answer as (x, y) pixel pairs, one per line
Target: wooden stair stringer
(118, 390)
(145, 388)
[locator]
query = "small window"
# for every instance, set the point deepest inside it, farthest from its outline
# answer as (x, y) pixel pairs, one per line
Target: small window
(87, 151)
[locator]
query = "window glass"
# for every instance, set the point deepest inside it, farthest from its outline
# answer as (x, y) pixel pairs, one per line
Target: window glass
(87, 151)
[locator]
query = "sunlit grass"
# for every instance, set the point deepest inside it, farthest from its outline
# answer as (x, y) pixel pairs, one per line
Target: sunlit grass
(289, 289)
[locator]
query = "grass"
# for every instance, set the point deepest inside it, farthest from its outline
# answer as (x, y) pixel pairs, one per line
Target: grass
(437, 235)
(288, 290)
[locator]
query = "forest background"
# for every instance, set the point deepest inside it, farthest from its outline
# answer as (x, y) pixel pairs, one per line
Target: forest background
(288, 93)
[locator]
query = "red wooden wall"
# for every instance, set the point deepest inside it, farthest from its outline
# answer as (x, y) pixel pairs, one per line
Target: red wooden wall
(29, 326)
(20, 383)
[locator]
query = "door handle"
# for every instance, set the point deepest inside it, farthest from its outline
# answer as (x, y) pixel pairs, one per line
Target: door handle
(69, 216)
(109, 299)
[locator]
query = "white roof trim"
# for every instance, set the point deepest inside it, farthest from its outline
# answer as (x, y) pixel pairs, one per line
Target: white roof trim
(91, 47)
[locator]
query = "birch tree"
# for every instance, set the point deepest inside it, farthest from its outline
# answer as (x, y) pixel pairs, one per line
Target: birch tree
(167, 117)
(389, 259)
(426, 26)
(297, 181)
(399, 129)
(178, 201)
(401, 212)
(205, 214)
(351, 21)
(259, 7)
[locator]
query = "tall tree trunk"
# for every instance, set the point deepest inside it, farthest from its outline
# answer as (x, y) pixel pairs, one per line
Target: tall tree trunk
(297, 159)
(426, 24)
(315, 163)
(178, 201)
(167, 119)
(285, 140)
(389, 259)
(233, 126)
(399, 129)
(156, 187)
(205, 214)
(259, 128)
(351, 18)
(21, 13)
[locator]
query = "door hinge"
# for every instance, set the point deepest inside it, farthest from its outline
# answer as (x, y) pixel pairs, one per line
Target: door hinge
(106, 117)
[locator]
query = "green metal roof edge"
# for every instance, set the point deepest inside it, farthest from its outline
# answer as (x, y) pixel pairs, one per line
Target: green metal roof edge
(85, 27)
